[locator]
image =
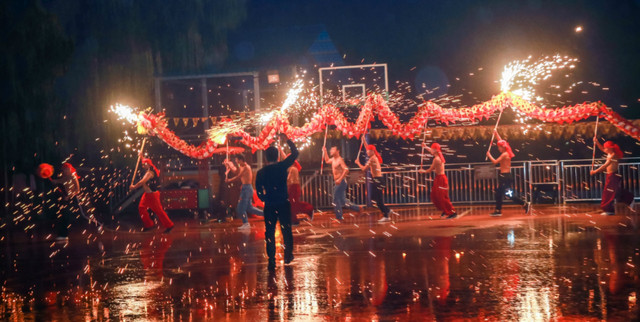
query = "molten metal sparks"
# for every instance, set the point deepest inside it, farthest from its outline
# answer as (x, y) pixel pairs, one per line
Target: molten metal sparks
(125, 112)
(523, 77)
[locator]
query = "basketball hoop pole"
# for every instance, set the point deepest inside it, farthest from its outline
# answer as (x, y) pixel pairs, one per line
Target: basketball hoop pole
(364, 67)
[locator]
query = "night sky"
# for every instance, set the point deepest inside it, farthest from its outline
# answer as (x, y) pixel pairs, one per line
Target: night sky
(438, 42)
(66, 61)
(457, 37)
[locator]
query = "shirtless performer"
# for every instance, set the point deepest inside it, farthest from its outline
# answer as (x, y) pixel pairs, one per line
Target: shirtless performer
(246, 194)
(374, 165)
(613, 184)
(440, 188)
(340, 172)
(505, 178)
(151, 197)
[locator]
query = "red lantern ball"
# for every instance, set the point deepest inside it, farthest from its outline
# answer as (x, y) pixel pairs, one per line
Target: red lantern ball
(45, 171)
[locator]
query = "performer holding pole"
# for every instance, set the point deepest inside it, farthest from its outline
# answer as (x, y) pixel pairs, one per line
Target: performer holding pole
(613, 184)
(151, 197)
(505, 178)
(340, 172)
(245, 175)
(271, 186)
(295, 191)
(440, 188)
(374, 165)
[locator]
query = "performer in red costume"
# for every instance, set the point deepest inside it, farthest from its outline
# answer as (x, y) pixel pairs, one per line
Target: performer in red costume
(294, 190)
(151, 197)
(440, 188)
(613, 184)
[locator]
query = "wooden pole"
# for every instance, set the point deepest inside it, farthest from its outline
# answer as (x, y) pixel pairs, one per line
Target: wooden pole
(493, 135)
(324, 145)
(595, 137)
(424, 137)
(366, 126)
(138, 162)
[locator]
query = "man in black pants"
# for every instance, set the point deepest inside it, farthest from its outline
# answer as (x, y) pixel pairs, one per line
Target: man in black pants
(505, 179)
(374, 165)
(271, 186)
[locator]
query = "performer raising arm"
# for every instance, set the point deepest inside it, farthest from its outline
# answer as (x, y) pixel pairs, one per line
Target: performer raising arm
(374, 164)
(246, 194)
(613, 184)
(505, 178)
(295, 191)
(340, 172)
(440, 188)
(271, 186)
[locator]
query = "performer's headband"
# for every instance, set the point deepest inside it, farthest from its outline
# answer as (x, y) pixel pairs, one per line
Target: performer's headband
(436, 147)
(71, 168)
(615, 148)
(375, 151)
(504, 144)
(150, 163)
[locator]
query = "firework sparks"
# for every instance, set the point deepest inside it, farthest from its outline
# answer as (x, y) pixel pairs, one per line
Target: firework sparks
(292, 98)
(523, 77)
(125, 112)
(219, 133)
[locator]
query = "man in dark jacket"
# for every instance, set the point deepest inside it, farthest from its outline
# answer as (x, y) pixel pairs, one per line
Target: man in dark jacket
(271, 186)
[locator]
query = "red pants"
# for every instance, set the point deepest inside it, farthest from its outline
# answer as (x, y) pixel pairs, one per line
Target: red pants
(613, 190)
(152, 200)
(298, 206)
(440, 194)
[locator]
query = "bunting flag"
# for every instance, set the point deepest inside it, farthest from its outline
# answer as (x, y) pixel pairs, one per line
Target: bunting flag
(375, 105)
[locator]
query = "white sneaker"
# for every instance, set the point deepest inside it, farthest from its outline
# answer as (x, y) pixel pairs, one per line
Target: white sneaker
(604, 213)
(384, 219)
(244, 226)
(394, 213)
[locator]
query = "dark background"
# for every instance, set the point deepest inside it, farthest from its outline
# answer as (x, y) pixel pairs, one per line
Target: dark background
(64, 62)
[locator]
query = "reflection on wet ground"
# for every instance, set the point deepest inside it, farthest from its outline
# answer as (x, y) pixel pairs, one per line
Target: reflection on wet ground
(564, 262)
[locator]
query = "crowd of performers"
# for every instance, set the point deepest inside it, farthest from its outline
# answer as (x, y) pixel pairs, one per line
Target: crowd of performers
(278, 188)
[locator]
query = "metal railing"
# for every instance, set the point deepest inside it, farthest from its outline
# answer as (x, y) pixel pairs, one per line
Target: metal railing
(542, 181)
(579, 185)
(548, 181)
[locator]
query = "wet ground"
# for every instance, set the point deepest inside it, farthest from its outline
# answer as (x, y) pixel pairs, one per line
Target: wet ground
(561, 263)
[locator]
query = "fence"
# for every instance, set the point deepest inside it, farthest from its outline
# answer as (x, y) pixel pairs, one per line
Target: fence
(542, 181)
